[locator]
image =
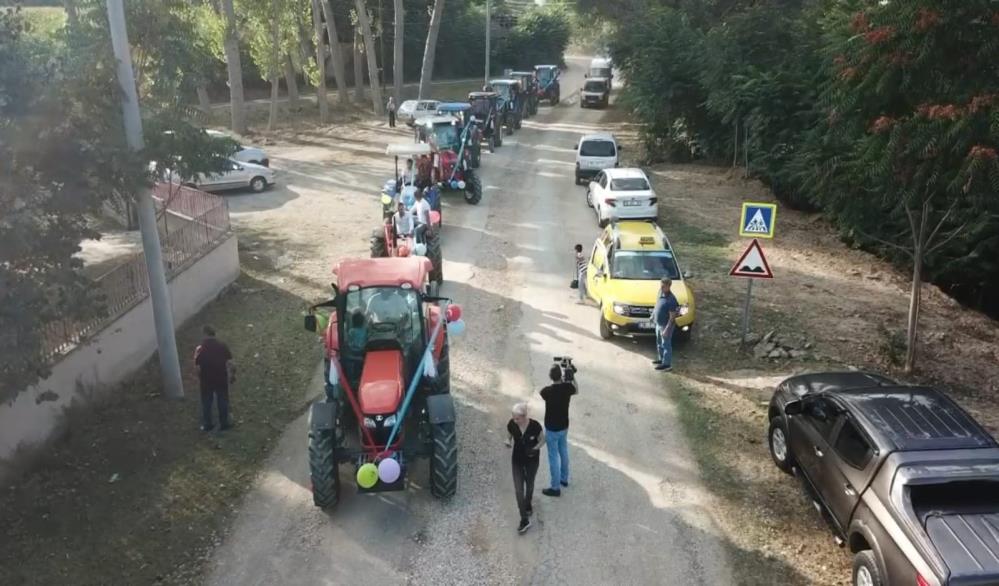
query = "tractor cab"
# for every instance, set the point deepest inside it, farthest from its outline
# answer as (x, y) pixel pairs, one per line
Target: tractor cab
(387, 399)
(485, 109)
(511, 102)
(529, 85)
(509, 90)
(548, 83)
(471, 128)
(442, 133)
(460, 110)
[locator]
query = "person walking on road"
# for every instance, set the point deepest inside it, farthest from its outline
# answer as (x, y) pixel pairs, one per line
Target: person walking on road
(557, 396)
(216, 371)
(526, 438)
(664, 318)
(390, 107)
(581, 273)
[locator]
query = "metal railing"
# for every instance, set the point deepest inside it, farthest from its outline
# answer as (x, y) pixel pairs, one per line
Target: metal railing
(191, 224)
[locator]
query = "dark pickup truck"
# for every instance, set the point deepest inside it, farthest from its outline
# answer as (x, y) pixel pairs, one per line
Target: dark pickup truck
(904, 477)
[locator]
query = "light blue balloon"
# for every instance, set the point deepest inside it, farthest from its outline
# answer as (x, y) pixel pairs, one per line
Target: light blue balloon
(456, 328)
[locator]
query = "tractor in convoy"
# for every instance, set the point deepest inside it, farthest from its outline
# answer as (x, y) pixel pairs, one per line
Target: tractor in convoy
(511, 102)
(471, 133)
(451, 166)
(485, 109)
(548, 83)
(386, 241)
(387, 398)
(529, 85)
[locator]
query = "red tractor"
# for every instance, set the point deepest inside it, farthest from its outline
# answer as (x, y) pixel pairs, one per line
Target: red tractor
(387, 380)
(452, 167)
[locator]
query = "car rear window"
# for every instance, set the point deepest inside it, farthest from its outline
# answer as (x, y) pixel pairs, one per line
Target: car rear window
(629, 184)
(594, 86)
(597, 148)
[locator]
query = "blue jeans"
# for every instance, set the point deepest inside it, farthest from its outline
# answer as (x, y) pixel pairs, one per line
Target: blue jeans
(664, 345)
(207, 398)
(558, 456)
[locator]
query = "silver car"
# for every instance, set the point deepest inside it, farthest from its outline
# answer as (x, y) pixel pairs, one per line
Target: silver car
(237, 175)
(412, 110)
(244, 154)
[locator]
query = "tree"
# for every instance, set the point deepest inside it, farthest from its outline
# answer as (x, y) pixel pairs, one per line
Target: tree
(358, 67)
(364, 24)
(399, 14)
(232, 59)
(430, 51)
(336, 52)
(317, 21)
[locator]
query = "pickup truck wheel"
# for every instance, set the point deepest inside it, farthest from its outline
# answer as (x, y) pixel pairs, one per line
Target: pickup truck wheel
(865, 569)
(780, 450)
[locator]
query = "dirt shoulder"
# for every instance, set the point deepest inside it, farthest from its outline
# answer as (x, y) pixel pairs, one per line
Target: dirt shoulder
(836, 308)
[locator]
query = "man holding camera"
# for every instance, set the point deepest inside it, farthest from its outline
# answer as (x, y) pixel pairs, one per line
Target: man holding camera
(557, 396)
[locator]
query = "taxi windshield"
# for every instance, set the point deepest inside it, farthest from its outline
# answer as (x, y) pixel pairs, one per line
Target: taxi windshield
(382, 314)
(644, 266)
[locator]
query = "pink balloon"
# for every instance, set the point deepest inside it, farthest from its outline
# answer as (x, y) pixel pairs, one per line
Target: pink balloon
(389, 470)
(453, 312)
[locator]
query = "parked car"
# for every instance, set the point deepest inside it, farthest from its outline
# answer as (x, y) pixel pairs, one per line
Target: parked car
(903, 476)
(622, 194)
(624, 275)
(237, 175)
(244, 154)
(595, 92)
(412, 110)
(594, 153)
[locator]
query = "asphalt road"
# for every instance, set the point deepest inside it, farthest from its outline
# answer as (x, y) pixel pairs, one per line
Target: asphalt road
(635, 512)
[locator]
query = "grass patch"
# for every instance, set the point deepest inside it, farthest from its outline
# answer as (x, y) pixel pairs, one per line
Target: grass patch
(133, 492)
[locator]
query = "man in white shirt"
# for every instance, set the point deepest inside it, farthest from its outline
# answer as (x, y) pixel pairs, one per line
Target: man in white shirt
(409, 173)
(421, 210)
(402, 221)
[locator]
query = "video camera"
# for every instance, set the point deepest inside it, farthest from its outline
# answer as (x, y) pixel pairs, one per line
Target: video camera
(568, 368)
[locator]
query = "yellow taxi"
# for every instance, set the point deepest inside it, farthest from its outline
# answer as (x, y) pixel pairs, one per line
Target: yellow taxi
(628, 262)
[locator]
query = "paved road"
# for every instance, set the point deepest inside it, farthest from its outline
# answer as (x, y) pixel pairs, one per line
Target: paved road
(635, 513)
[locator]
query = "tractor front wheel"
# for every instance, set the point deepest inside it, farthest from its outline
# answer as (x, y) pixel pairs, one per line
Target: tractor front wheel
(324, 469)
(444, 462)
(498, 136)
(379, 248)
(492, 144)
(473, 189)
(436, 258)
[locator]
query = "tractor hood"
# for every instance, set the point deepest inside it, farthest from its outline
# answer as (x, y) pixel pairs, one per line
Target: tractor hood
(381, 382)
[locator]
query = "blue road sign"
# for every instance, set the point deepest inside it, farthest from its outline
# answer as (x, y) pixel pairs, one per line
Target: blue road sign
(758, 220)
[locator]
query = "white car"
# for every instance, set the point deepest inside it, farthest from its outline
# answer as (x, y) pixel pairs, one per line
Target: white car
(238, 175)
(412, 110)
(622, 194)
(244, 154)
(594, 153)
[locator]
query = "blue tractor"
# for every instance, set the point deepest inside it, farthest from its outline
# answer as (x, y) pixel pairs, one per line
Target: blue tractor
(485, 109)
(511, 102)
(548, 83)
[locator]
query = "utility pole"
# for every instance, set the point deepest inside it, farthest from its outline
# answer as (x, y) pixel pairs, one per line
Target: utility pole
(488, 47)
(173, 386)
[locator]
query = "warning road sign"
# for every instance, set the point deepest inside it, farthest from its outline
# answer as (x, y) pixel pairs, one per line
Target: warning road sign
(752, 264)
(758, 220)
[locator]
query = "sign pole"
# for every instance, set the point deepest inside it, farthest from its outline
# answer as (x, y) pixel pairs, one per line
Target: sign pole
(745, 309)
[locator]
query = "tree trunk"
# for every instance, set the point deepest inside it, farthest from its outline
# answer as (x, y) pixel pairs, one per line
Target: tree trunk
(430, 51)
(915, 300)
(317, 21)
(358, 69)
(291, 81)
(275, 64)
(231, 46)
(364, 23)
(72, 16)
(204, 102)
(397, 56)
(336, 52)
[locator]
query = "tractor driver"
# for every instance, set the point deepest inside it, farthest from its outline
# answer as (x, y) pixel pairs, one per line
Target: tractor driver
(421, 213)
(409, 173)
(424, 172)
(357, 336)
(387, 306)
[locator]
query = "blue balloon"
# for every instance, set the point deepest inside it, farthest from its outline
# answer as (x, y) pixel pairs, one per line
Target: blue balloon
(456, 328)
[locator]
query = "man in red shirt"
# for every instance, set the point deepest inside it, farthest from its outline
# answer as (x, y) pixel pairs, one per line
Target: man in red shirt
(216, 370)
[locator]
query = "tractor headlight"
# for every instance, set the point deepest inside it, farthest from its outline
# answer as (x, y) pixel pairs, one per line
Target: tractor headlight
(684, 309)
(389, 421)
(386, 199)
(461, 185)
(621, 309)
(369, 423)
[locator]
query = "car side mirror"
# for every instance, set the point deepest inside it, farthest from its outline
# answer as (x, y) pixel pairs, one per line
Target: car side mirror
(311, 323)
(586, 75)
(688, 275)
(620, 148)
(793, 408)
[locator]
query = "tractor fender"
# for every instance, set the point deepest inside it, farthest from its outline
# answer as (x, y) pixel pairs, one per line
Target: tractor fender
(322, 416)
(440, 409)
(434, 315)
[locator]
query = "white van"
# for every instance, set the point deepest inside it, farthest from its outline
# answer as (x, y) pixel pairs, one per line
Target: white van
(594, 153)
(601, 67)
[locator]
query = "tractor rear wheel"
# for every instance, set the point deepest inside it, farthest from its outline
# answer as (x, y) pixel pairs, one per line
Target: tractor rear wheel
(444, 462)
(473, 189)
(324, 469)
(444, 368)
(436, 258)
(498, 136)
(379, 248)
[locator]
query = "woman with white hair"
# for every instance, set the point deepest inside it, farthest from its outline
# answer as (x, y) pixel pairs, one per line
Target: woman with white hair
(526, 436)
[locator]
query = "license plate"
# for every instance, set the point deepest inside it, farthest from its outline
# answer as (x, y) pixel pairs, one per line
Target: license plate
(646, 325)
(632, 203)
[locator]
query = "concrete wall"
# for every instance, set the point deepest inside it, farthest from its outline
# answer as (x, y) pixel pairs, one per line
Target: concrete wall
(112, 354)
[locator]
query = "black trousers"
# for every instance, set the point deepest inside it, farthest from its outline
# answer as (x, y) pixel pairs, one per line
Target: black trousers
(209, 396)
(391, 115)
(523, 483)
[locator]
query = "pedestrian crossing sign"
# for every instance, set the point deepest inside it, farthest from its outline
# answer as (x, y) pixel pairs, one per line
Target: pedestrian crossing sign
(758, 220)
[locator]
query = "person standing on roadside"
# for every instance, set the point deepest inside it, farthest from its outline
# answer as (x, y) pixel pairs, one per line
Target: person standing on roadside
(390, 107)
(526, 438)
(216, 371)
(557, 396)
(581, 273)
(664, 317)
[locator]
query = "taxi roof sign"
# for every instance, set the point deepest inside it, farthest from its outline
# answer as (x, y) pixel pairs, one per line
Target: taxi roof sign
(646, 240)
